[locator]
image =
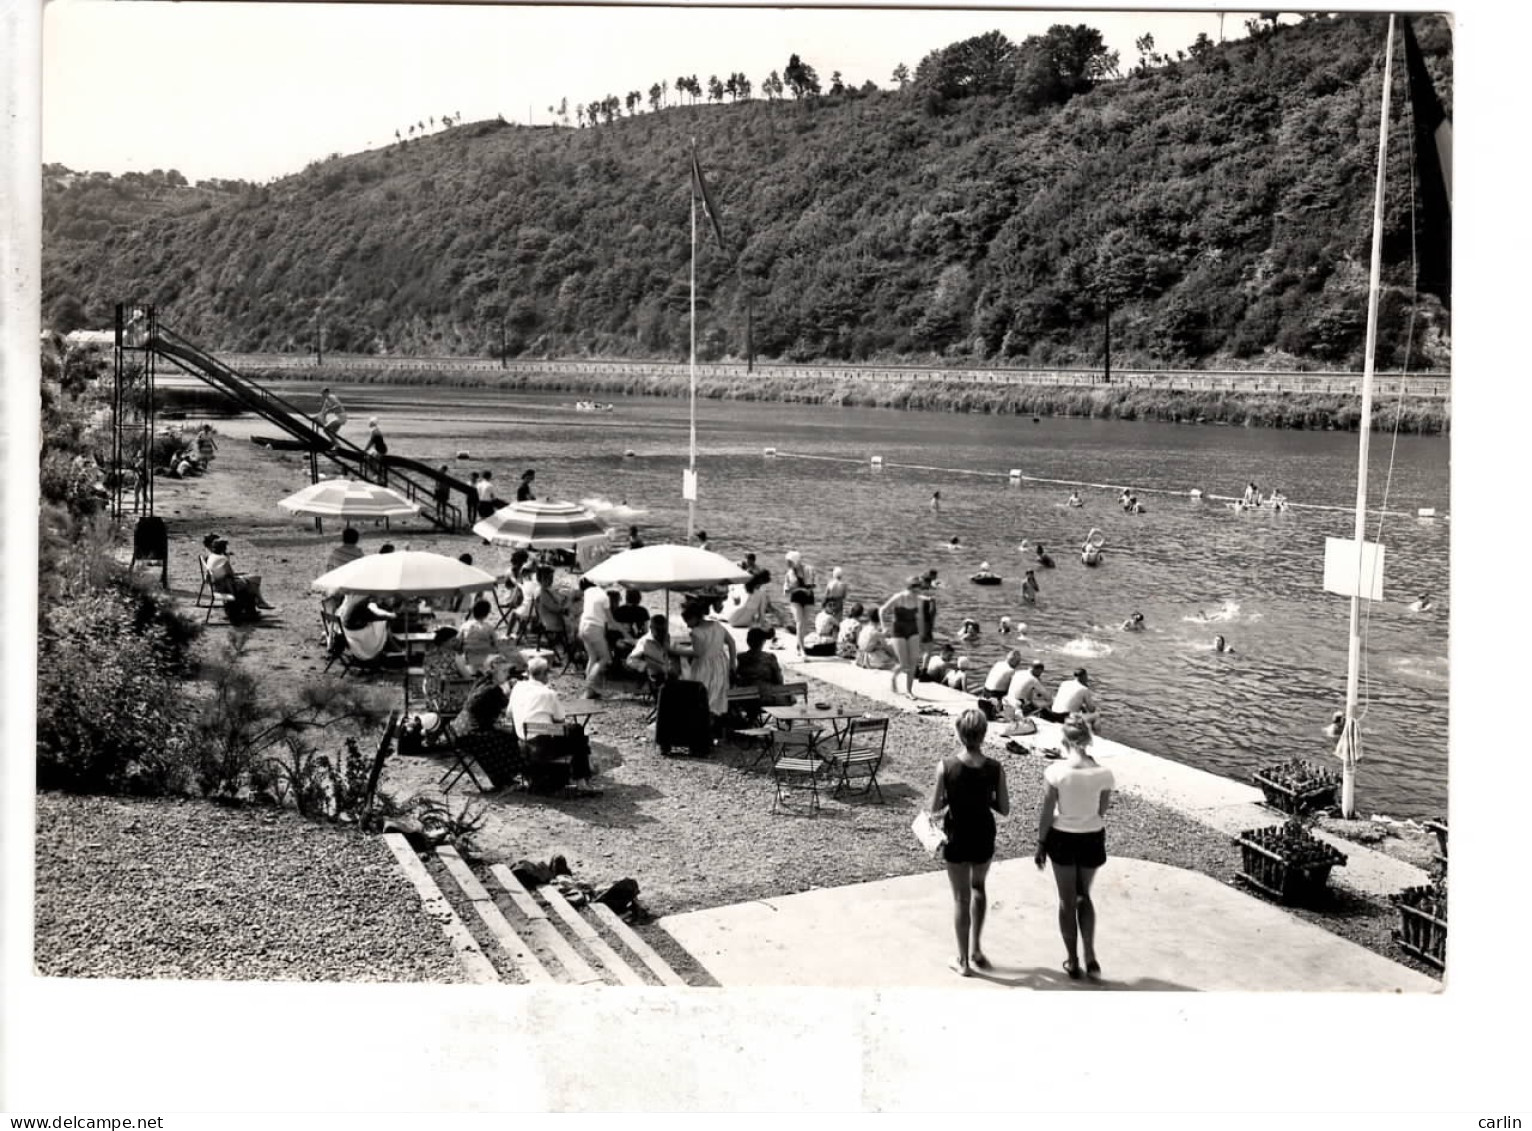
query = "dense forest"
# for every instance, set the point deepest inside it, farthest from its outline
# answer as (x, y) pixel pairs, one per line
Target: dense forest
(996, 207)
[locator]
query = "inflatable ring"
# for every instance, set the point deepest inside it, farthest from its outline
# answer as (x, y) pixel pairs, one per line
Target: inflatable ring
(985, 579)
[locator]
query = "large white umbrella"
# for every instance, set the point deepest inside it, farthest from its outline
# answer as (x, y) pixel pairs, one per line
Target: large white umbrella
(666, 567)
(348, 498)
(540, 525)
(411, 573)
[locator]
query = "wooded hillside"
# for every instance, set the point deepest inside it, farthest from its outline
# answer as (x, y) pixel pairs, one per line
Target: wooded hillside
(992, 210)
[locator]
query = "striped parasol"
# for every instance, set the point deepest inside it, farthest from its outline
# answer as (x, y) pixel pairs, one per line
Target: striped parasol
(348, 498)
(540, 525)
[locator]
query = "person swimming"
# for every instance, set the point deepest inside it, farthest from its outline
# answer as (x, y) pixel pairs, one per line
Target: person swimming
(1029, 589)
(1090, 550)
(1135, 623)
(955, 544)
(1423, 604)
(1075, 500)
(984, 576)
(1043, 557)
(936, 502)
(969, 632)
(1005, 626)
(1222, 645)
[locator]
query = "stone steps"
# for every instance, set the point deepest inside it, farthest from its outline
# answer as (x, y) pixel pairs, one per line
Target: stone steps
(503, 932)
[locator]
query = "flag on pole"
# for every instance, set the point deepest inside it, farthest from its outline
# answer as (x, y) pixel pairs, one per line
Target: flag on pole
(1433, 164)
(699, 190)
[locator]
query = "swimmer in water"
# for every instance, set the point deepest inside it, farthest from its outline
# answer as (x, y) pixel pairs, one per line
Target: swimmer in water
(1043, 558)
(1075, 500)
(1005, 626)
(1029, 589)
(954, 544)
(1090, 550)
(936, 502)
(1423, 604)
(969, 632)
(1252, 496)
(1336, 725)
(1135, 623)
(1221, 645)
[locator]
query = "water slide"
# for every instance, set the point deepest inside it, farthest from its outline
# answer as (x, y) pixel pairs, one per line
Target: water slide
(415, 480)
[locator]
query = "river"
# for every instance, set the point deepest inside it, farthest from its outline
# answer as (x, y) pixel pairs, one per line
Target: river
(1192, 568)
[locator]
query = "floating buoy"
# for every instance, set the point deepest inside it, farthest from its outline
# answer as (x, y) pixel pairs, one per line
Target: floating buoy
(877, 461)
(1426, 512)
(770, 452)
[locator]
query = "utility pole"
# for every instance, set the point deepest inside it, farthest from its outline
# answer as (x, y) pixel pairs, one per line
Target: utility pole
(1107, 327)
(502, 341)
(319, 345)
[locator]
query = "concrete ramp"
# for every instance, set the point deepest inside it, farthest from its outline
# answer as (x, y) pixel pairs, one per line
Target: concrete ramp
(1161, 928)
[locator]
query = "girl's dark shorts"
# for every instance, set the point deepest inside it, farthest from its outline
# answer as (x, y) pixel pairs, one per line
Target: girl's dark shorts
(1083, 850)
(801, 596)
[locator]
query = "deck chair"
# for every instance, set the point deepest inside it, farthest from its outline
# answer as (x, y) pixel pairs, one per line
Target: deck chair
(795, 772)
(205, 586)
(151, 546)
(445, 698)
(494, 753)
(859, 757)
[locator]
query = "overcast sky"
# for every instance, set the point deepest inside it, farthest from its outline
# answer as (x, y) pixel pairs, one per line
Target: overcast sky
(260, 90)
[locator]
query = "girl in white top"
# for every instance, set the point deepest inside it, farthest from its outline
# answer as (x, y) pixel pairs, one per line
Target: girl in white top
(1071, 832)
(595, 620)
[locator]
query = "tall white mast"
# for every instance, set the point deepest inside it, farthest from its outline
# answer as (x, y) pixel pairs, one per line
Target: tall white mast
(691, 503)
(1351, 734)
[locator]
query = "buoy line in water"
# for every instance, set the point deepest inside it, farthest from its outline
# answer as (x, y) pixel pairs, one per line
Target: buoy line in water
(1167, 491)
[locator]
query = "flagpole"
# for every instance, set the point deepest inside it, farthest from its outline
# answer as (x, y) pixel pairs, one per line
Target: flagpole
(1351, 732)
(691, 503)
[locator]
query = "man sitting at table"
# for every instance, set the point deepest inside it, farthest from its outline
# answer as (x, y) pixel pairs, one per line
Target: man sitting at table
(652, 656)
(533, 701)
(348, 550)
(755, 666)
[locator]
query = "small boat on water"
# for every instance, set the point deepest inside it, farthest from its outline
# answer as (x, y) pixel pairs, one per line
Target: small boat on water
(984, 576)
(593, 406)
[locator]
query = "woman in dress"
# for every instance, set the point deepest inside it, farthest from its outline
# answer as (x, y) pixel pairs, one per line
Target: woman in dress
(901, 613)
(1071, 832)
(872, 650)
(969, 790)
(711, 653)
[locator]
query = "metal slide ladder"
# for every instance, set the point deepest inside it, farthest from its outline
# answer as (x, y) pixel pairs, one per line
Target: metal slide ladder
(415, 480)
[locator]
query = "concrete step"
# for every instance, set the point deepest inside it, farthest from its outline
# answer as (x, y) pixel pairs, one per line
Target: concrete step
(541, 932)
(512, 945)
(581, 929)
(645, 953)
(476, 966)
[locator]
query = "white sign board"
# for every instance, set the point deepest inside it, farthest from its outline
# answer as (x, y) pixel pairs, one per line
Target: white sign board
(689, 485)
(1345, 577)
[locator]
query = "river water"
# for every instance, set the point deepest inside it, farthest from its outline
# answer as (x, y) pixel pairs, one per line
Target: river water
(1192, 568)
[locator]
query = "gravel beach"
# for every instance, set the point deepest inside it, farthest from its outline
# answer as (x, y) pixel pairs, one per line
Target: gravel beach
(188, 889)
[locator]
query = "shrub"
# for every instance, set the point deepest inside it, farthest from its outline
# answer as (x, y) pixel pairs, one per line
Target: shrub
(110, 717)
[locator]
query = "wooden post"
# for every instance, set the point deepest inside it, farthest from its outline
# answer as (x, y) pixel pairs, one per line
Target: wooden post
(376, 772)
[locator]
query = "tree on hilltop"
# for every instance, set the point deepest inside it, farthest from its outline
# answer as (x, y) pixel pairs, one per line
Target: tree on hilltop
(771, 86)
(800, 78)
(901, 76)
(655, 93)
(714, 89)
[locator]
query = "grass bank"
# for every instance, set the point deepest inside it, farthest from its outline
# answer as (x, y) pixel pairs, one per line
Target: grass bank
(1314, 411)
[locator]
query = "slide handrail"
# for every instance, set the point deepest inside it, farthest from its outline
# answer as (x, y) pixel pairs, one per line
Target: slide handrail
(298, 424)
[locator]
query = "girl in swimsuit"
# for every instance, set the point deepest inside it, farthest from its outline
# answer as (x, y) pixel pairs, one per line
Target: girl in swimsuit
(901, 613)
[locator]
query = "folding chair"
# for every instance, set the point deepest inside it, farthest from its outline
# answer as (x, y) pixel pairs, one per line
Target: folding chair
(205, 587)
(334, 640)
(793, 735)
(544, 638)
(445, 698)
(745, 705)
(860, 756)
(540, 736)
(495, 752)
(151, 545)
(798, 772)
